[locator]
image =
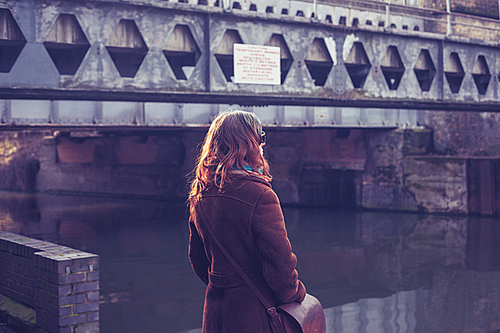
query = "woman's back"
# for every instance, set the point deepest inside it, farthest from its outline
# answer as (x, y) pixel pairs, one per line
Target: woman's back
(230, 213)
(247, 219)
(232, 193)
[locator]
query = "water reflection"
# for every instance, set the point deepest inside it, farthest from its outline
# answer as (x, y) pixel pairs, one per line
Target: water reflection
(374, 272)
(396, 313)
(457, 301)
(373, 254)
(483, 248)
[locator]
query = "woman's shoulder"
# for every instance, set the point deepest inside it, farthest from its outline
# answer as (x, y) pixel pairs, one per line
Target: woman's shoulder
(245, 188)
(251, 181)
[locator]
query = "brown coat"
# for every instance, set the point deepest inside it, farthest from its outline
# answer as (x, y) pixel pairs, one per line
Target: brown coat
(247, 218)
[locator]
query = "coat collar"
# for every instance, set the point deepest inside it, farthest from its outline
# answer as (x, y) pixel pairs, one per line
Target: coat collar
(248, 176)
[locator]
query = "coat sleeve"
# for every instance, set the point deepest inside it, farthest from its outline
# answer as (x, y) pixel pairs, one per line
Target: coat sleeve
(196, 252)
(278, 261)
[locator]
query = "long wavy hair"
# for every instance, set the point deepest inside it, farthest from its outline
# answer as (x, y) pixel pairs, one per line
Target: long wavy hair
(233, 141)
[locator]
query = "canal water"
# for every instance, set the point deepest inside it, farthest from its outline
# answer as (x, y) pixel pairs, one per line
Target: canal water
(373, 271)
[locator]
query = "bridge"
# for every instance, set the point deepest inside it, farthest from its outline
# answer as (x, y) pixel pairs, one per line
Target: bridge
(112, 97)
(170, 63)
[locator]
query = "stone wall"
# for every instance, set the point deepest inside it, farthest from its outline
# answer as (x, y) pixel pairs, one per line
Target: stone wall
(485, 8)
(158, 164)
(58, 285)
(397, 169)
(465, 133)
(437, 184)
(383, 180)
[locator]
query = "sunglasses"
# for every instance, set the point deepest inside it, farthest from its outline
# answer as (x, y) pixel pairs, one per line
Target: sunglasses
(263, 138)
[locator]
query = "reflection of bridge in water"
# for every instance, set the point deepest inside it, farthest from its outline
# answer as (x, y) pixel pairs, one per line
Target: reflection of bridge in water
(420, 310)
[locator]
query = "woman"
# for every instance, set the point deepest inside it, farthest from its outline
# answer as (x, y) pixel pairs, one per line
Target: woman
(232, 190)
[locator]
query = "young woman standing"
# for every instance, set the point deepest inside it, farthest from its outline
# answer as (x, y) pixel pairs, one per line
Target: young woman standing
(231, 191)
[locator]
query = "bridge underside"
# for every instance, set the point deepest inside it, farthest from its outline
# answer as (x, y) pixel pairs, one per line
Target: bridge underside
(16, 114)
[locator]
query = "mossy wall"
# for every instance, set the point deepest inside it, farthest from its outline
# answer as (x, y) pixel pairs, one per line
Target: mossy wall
(19, 153)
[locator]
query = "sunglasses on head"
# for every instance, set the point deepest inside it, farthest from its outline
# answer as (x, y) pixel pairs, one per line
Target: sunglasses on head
(263, 138)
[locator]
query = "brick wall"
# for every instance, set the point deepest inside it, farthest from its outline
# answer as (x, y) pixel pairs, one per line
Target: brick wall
(139, 165)
(304, 162)
(61, 284)
(485, 8)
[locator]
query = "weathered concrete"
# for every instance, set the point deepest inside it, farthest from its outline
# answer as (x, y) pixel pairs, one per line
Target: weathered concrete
(411, 179)
(401, 173)
(155, 164)
(302, 162)
(110, 68)
(382, 180)
(310, 166)
(438, 184)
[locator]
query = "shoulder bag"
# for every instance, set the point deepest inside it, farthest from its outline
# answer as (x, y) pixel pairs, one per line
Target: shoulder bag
(294, 317)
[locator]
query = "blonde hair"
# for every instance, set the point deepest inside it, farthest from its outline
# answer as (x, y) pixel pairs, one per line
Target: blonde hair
(233, 141)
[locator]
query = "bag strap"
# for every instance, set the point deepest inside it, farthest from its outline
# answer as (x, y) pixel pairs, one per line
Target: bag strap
(271, 310)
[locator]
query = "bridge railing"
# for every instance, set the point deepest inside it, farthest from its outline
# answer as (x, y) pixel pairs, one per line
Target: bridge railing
(436, 20)
(389, 14)
(392, 14)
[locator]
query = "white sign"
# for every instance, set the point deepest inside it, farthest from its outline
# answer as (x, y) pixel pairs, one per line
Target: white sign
(256, 64)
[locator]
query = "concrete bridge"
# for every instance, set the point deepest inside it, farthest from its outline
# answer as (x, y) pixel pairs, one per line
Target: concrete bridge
(112, 97)
(168, 57)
